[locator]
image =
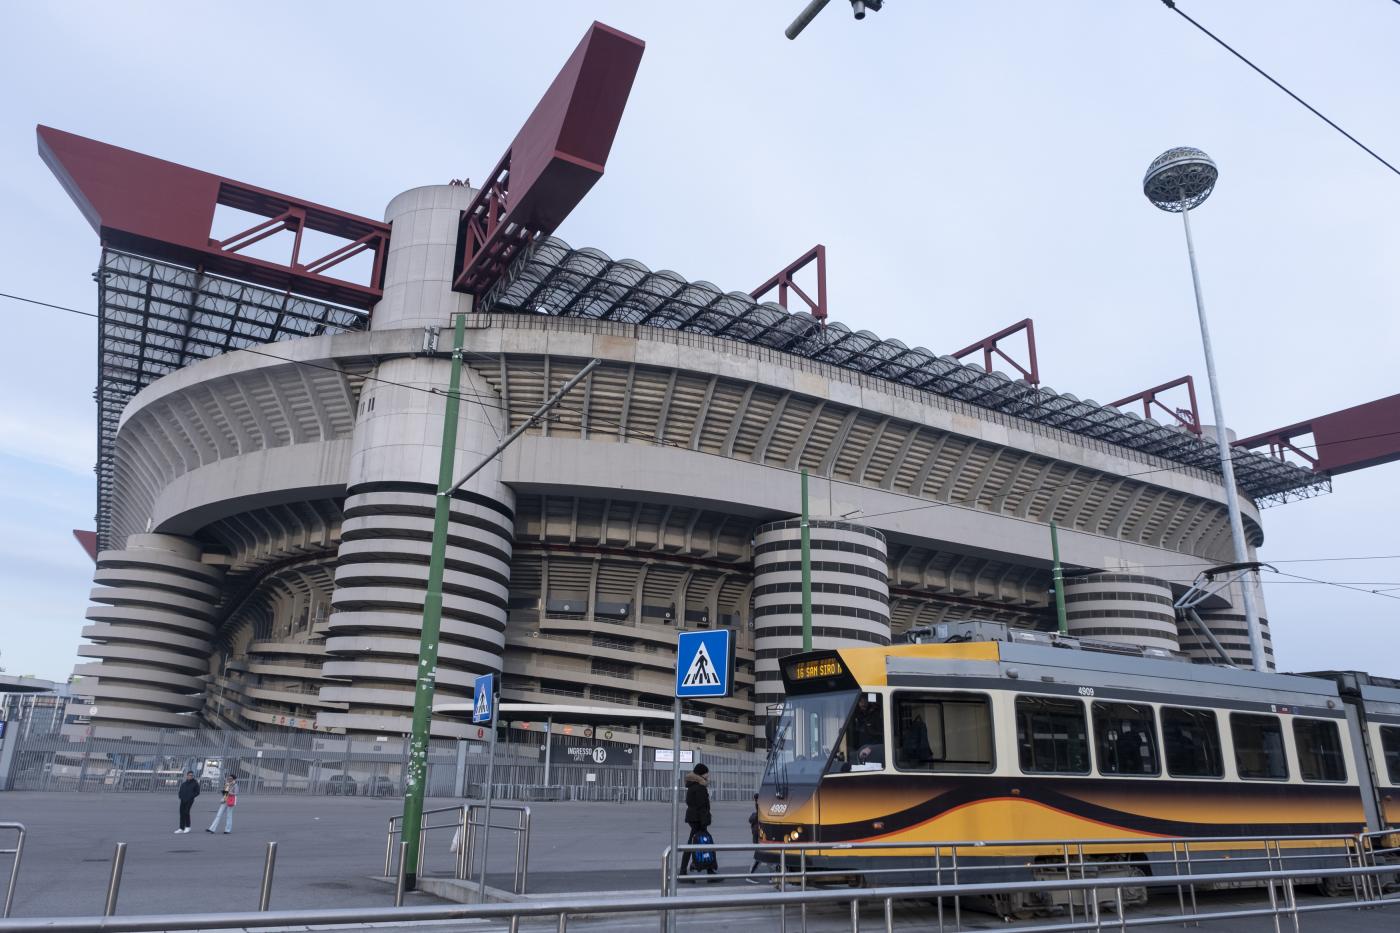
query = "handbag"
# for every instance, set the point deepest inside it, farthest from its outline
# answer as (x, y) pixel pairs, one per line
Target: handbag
(230, 799)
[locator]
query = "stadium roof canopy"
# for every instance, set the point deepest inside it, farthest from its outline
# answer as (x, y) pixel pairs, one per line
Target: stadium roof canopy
(555, 279)
(156, 317)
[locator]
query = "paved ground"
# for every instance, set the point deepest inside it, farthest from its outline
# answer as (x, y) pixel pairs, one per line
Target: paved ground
(330, 849)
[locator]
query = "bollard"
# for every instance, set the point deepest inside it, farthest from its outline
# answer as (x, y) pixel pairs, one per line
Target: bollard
(114, 885)
(269, 863)
(399, 883)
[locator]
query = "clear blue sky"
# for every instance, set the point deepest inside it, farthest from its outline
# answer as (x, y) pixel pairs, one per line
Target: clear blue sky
(966, 165)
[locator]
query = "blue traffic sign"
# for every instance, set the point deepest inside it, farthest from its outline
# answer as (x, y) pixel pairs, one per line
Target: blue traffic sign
(705, 663)
(483, 706)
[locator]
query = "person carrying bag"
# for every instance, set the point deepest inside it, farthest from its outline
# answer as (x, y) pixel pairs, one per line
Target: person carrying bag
(226, 805)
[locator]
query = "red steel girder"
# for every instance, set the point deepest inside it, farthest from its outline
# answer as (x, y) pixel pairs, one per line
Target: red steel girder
(1351, 439)
(163, 210)
(990, 345)
(1190, 420)
(558, 155)
(784, 281)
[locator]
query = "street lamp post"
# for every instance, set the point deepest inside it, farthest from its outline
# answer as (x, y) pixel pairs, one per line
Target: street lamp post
(1177, 181)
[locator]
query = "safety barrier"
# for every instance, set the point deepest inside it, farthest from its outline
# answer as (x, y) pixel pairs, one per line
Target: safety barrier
(466, 822)
(1078, 860)
(1283, 904)
(18, 853)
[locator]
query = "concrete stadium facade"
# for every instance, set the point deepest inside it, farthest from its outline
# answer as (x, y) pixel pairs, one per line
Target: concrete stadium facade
(271, 511)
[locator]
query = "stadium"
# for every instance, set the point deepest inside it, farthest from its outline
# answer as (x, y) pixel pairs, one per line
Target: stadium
(269, 439)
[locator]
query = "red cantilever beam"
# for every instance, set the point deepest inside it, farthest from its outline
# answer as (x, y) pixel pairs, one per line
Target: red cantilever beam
(1351, 439)
(784, 280)
(166, 211)
(1148, 397)
(558, 155)
(990, 345)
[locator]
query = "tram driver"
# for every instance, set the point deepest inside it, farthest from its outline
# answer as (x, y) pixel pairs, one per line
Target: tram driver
(864, 744)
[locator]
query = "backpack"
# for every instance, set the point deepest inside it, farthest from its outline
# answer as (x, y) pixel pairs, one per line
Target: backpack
(703, 859)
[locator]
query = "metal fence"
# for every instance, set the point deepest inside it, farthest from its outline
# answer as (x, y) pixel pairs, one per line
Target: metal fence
(289, 761)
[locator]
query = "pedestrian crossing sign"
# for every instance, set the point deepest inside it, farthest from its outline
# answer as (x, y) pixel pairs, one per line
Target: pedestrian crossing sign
(482, 706)
(705, 663)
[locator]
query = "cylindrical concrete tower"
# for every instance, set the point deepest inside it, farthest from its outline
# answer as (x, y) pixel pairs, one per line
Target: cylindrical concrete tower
(152, 630)
(1125, 608)
(850, 595)
(422, 250)
(382, 570)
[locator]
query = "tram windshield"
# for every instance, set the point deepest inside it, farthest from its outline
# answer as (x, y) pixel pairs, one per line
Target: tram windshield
(806, 737)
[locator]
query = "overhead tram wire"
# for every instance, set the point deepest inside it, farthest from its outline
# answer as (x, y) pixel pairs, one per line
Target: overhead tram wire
(1171, 5)
(1344, 586)
(481, 399)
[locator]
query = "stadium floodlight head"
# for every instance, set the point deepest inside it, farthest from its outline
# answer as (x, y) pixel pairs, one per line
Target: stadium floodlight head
(1180, 179)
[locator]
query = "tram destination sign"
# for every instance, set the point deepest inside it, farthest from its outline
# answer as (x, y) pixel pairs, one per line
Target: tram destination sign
(813, 668)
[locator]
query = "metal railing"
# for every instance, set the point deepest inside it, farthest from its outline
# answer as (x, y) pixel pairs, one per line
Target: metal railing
(1283, 904)
(1079, 860)
(466, 820)
(476, 822)
(396, 829)
(18, 853)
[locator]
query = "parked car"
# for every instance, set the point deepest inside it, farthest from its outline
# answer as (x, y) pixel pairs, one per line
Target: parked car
(341, 785)
(379, 786)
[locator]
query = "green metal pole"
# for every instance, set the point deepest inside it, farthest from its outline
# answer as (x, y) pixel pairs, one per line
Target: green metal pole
(1059, 577)
(806, 571)
(432, 622)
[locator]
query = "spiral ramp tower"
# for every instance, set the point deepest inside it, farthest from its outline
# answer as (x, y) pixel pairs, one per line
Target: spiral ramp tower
(850, 595)
(151, 633)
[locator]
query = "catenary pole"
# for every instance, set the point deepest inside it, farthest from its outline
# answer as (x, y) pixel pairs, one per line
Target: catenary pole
(1058, 574)
(806, 571)
(426, 682)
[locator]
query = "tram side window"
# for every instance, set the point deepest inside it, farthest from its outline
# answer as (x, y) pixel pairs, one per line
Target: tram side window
(943, 732)
(1259, 747)
(1126, 737)
(1192, 742)
(1319, 750)
(1390, 748)
(1051, 735)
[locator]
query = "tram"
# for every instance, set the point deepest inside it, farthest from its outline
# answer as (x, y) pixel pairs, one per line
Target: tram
(990, 736)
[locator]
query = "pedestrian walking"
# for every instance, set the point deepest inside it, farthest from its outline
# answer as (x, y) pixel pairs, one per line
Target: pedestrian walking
(697, 817)
(226, 805)
(753, 832)
(189, 789)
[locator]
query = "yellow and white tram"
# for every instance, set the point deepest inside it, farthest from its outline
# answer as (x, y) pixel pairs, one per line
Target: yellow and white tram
(1030, 737)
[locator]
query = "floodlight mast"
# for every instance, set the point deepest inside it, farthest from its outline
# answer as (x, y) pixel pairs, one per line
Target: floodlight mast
(1177, 181)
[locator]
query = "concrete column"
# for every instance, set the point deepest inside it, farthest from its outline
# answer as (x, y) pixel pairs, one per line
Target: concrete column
(382, 563)
(422, 252)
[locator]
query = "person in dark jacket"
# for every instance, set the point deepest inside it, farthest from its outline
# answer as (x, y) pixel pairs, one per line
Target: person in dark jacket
(697, 810)
(753, 831)
(189, 789)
